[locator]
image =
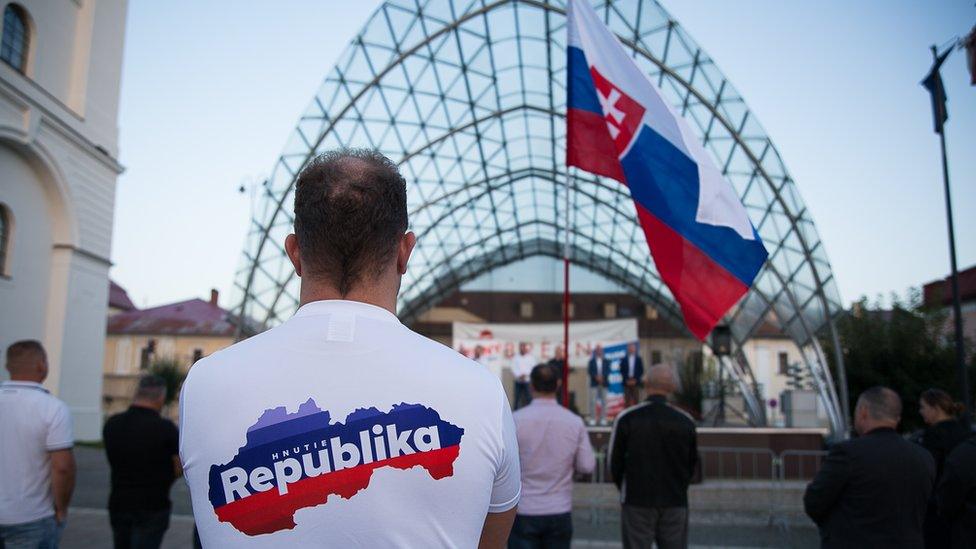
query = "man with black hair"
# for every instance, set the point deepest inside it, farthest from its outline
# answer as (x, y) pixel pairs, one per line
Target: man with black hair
(142, 449)
(341, 427)
(872, 491)
(553, 444)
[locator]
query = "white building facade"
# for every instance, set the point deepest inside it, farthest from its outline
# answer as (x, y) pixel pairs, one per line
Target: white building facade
(60, 72)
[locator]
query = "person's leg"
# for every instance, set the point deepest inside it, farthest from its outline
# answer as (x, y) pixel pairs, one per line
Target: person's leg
(672, 528)
(637, 526)
(149, 528)
(559, 531)
(121, 522)
(525, 533)
(602, 399)
(591, 405)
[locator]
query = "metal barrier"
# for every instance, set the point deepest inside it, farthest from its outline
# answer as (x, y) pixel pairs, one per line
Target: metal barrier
(775, 476)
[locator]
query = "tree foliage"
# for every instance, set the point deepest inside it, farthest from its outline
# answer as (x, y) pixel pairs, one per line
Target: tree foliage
(172, 373)
(907, 347)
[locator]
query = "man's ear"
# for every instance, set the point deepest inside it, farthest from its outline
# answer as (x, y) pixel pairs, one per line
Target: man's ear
(404, 250)
(291, 248)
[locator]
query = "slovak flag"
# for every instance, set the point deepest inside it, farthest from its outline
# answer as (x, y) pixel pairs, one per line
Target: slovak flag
(618, 125)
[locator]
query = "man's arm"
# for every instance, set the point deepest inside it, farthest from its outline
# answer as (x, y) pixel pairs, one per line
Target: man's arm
(585, 460)
(950, 494)
(618, 451)
(825, 489)
(693, 454)
(495, 532)
(62, 481)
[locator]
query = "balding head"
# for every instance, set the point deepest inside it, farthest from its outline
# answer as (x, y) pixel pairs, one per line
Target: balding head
(27, 361)
(350, 220)
(877, 407)
(661, 380)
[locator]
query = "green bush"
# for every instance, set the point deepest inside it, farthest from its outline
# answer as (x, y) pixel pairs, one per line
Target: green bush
(171, 372)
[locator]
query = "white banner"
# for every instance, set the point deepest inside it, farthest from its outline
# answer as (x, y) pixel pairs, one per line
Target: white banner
(499, 342)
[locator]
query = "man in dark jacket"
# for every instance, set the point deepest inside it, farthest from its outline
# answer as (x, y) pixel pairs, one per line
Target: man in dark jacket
(653, 453)
(632, 368)
(956, 494)
(143, 452)
(872, 491)
(598, 370)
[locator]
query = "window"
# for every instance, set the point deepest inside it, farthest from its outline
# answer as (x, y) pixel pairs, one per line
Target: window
(655, 357)
(784, 364)
(16, 37)
(609, 310)
(4, 238)
(525, 309)
(650, 313)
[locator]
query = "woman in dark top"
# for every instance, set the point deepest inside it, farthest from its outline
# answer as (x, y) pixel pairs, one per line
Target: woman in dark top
(943, 433)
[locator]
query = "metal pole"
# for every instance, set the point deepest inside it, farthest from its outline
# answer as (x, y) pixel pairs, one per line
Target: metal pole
(956, 307)
(566, 300)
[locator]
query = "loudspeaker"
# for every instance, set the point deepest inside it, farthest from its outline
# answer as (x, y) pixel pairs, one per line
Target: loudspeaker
(722, 341)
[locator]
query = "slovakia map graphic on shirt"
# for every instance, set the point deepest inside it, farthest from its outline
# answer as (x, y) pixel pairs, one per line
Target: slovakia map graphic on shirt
(295, 460)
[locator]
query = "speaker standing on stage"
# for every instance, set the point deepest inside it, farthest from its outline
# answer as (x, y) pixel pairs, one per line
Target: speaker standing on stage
(633, 370)
(598, 369)
(521, 368)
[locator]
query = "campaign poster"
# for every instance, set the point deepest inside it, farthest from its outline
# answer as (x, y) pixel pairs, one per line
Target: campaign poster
(615, 354)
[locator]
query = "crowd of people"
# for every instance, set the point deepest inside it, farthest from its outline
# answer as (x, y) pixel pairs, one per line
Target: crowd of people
(342, 427)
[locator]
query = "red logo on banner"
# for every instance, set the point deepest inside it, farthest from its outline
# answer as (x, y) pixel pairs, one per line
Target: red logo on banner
(622, 114)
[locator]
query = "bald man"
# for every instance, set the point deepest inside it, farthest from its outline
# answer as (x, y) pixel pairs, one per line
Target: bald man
(872, 491)
(653, 454)
(37, 468)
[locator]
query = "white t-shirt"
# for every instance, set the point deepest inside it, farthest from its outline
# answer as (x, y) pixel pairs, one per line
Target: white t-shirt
(340, 428)
(32, 423)
(522, 365)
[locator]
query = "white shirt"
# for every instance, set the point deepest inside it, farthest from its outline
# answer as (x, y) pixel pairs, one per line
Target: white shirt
(522, 365)
(311, 434)
(32, 423)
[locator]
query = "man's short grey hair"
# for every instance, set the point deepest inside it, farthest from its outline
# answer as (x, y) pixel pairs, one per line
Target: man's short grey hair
(151, 387)
(881, 403)
(662, 378)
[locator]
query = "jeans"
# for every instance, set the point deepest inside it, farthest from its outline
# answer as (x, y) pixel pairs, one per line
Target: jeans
(541, 531)
(138, 529)
(40, 534)
(642, 526)
(522, 395)
(597, 396)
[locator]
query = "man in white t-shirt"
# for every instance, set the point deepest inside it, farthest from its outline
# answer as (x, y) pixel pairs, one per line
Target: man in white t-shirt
(342, 427)
(37, 468)
(521, 368)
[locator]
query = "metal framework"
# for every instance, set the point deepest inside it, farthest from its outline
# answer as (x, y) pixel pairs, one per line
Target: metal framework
(469, 98)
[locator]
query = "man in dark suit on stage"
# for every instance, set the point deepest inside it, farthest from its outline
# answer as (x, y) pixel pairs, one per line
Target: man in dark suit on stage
(872, 491)
(598, 369)
(633, 369)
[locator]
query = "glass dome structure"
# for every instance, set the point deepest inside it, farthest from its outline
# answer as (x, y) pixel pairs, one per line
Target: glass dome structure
(468, 97)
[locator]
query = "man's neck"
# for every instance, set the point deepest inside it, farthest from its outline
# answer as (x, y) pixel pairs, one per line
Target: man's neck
(26, 378)
(384, 300)
(653, 393)
(544, 396)
(147, 405)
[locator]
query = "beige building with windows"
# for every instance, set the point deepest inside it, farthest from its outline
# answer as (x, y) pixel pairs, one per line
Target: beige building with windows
(60, 70)
(180, 333)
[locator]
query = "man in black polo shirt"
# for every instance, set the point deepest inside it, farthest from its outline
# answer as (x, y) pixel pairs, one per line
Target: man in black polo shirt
(143, 451)
(653, 453)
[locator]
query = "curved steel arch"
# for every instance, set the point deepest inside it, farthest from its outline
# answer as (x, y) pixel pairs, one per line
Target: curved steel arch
(468, 97)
